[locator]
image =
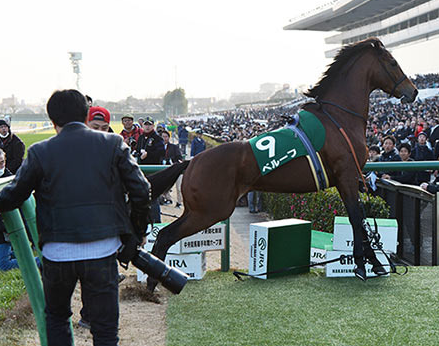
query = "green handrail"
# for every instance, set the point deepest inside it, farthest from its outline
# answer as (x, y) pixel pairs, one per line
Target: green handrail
(401, 166)
(28, 267)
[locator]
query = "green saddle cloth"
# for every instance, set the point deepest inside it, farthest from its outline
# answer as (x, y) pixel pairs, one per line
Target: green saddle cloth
(274, 149)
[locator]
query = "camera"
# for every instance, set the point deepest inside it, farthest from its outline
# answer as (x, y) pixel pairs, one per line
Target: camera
(132, 142)
(171, 278)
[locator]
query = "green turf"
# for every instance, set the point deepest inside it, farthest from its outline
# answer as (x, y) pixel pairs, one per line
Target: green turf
(31, 138)
(11, 289)
(307, 310)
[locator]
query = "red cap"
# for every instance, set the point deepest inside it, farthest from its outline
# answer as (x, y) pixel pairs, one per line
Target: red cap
(99, 113)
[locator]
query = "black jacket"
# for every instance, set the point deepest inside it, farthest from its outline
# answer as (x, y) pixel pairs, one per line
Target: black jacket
(405, 177)
(79, 178)
(389, 157)
(153, 144)
(172, 154)
(7, 173)
(14, 150)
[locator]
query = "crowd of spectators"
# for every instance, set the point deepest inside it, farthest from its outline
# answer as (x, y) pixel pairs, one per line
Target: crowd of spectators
(413, 126)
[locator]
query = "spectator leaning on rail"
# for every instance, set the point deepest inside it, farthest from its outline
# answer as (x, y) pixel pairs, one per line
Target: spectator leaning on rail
(421, 153)
(11, 145)
(390, 154)
(79, 177)
(198, 144)
(404, 177)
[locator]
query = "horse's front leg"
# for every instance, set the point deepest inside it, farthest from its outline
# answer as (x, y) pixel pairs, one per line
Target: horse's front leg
(362, 248)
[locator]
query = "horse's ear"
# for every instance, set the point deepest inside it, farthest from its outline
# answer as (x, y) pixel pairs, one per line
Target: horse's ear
(378, 45)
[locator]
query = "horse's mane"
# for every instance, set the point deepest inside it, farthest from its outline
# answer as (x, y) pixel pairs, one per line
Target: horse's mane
(341, 60)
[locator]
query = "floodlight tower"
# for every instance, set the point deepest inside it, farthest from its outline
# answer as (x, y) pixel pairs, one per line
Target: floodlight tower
(75, 58)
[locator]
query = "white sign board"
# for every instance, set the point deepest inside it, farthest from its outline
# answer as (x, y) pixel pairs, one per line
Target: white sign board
(194, 265)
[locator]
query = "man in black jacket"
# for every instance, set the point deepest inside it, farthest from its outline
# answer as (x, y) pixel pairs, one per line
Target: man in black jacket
(79, 177)
(11, 145)
(390, 154)
(150, 146)
(172, 155)
(422, 153)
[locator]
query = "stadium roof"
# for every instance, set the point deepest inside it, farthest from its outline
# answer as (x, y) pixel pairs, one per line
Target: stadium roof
(341, 15)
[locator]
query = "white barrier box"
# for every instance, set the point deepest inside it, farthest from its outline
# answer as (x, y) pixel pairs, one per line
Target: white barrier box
(213, 238)
(344, 238)
(194, 265)
(345, 269)
(279, 244)
(320, 243)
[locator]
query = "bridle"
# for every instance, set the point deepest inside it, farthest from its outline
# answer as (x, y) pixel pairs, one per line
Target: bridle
(396, 83)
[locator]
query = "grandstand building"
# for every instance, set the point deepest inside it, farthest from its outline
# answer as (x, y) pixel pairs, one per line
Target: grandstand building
(395, 22)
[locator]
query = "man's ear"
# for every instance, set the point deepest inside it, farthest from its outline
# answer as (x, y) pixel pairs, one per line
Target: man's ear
(57, 128)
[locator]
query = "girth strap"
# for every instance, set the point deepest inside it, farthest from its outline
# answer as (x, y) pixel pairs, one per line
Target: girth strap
(316, 165)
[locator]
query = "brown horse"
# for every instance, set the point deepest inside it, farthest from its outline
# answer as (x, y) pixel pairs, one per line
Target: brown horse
(216, 178)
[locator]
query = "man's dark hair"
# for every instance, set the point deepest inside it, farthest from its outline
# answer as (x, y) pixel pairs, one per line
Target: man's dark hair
(405, 145)
(375, 148)
(65, 106)
(391, 138)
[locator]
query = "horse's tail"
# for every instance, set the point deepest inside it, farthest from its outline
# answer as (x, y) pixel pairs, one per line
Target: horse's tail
(163, 180)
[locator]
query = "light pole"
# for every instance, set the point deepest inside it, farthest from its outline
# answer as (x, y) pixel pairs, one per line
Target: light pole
(75, 58)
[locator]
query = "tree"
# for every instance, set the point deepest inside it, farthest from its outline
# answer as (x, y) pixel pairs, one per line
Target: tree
(175, 102)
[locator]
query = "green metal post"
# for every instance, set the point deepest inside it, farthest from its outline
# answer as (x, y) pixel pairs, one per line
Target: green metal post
(28, 211)
(225, 254)
(31, 276)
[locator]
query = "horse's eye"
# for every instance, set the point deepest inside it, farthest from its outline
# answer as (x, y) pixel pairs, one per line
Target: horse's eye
(393, 62)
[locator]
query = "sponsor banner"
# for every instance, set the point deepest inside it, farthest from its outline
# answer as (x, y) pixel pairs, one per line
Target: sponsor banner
(210, 239)
(344, 238)
(317, 256)
(345, 268)
(258, 251)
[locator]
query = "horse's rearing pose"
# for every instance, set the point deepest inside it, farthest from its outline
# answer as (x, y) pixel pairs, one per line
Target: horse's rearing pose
(216, 178)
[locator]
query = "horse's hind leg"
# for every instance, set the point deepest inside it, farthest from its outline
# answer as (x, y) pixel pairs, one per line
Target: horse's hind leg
(188, 224)
(362, 248)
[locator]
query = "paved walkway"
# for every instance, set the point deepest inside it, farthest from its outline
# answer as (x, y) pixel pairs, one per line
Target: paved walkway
(241, 220)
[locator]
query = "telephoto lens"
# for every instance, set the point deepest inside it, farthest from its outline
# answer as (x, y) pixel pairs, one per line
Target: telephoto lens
(171, 278)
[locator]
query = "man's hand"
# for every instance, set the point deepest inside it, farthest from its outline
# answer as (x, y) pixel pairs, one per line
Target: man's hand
(424, 186)
(385, 176)
(143, 154)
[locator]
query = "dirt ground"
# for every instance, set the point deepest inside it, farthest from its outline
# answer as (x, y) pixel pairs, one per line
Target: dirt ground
(142, 323)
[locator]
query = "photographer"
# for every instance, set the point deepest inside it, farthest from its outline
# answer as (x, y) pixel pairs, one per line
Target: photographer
(130, 132)
(81, 215)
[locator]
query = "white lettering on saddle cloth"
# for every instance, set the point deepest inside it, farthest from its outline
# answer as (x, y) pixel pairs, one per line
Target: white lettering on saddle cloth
(275, 163)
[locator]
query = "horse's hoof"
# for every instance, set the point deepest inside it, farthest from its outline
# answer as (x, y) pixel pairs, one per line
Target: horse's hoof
(379, 270)
(360, 273)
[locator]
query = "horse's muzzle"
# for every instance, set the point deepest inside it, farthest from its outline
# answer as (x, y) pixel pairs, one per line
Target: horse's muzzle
(409, 97)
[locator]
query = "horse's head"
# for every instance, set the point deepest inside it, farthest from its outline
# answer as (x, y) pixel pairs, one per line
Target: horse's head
(390, 77)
